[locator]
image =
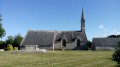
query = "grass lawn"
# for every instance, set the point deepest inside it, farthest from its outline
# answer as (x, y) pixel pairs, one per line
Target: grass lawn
(58, 59)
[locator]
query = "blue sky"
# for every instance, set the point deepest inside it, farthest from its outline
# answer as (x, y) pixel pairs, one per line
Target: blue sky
(102, 16)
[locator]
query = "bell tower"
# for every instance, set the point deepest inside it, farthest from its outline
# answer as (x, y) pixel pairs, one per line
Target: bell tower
(82, 22)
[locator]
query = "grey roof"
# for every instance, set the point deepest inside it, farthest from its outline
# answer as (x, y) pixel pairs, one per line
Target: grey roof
(41, 38)
(71, 35)
(45, 38)
(105, 42)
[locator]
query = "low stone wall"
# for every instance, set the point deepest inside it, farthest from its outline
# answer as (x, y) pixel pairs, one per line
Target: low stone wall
(29, 51)
(105, 48)
(1, 49)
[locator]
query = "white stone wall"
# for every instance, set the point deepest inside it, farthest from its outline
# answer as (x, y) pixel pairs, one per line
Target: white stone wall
(70, 45)
(105, 48)
(31, 47)
(57, 45)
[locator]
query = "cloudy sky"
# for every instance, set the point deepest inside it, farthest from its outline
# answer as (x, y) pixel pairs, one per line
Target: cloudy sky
(102, 16)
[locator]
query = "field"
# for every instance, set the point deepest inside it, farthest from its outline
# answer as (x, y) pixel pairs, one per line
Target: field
(58, 59)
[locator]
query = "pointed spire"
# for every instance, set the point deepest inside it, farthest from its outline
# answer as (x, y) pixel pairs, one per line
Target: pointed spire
(82, 16)
(82, 22)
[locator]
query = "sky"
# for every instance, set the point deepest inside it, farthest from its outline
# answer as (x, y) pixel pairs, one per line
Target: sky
(102, 17)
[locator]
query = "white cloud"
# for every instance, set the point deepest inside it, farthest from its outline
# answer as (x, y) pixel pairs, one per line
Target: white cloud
(101, 27)
(106, 32)
(116, 32)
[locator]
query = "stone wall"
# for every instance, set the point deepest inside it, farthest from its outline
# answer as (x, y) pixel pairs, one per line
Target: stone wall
(70, 45)
(31, 47)
(57, 45)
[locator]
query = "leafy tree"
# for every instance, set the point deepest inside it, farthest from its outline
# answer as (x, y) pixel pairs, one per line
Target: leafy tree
(2, 30)
(17, 40)
(2, 44)
(113, 36)
(116, 54)
(9, 40)
(89, 43)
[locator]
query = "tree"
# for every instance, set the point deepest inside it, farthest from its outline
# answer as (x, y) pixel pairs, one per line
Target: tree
(17, 40)
(116, 54)
(2, 30)
(113, 36)
(9, 40)
(89, 43)
(2, 44)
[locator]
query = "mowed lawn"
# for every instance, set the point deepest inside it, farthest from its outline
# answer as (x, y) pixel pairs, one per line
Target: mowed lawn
(58, 59)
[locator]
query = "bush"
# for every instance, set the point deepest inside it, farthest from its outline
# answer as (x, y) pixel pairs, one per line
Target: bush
(9, 47)
(116, 54)
(15, 48)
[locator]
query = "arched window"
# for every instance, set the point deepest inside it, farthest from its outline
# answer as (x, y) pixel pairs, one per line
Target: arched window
(78, 43)
(64, 43)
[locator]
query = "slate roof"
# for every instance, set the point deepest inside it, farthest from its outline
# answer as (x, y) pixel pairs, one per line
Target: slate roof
(106, 42)
(71, 35)
(45, 38)
(41, 38)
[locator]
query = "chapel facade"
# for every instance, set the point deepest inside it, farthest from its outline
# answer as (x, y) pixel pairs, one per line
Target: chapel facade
(55, 40)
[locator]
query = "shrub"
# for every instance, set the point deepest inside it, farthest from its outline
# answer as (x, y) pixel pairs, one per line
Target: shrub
(15, 48)
(116, 54)
(9, 47)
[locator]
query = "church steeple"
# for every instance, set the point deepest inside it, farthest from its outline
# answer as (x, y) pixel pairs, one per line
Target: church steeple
(82, 16)
(82, 22)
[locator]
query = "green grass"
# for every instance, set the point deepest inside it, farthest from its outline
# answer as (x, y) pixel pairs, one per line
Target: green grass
(58, 59)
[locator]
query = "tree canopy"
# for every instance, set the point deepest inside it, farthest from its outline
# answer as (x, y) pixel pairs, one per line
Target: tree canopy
(113, 36)
(17, 40)
(2, 44)
(2, 30)
(9, 40)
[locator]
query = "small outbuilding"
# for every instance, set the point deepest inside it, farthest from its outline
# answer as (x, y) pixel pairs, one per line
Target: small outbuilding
(105, 43)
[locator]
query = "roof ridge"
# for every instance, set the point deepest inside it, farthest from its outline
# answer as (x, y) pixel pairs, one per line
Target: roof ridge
(58, 30)
(106, 38)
